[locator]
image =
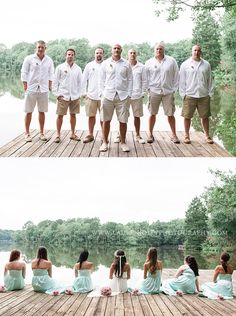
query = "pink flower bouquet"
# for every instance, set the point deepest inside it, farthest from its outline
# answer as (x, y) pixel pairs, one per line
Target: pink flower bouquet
(55, 292)
(106, 291)
(135, 292)
(68, 292)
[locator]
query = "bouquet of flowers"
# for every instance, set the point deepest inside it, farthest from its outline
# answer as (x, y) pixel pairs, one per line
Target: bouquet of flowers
(135, 292)
(55, 293)
(2, 289)
(68, 292)
(106, 291)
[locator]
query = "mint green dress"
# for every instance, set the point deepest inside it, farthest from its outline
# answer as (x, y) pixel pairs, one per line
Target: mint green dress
(83, 282)
(14, 280)
(185, 283)
(152, 284)
(42, 282)
(222, 287)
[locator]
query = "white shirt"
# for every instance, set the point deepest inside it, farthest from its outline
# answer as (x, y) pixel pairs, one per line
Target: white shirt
(195, 79)
(67, 81)
(90, 80)
(139, 81)
(163, 76)
(37, 73)
(115, 77)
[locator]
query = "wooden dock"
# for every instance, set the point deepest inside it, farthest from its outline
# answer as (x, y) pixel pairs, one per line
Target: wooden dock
(26, 302)
(162, 146)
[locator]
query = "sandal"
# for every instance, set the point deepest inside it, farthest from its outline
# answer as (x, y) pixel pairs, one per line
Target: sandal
(75, 137)
(187, 140)
(209, 140)
(175, 140)
(88, 139)
(57, 140)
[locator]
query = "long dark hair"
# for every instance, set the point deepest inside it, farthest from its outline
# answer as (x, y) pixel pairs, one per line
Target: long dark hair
(152, 259)
(42, 254)
(224, 258)
(191, 261)
(14, 255)
(120, 261)
(83, 257)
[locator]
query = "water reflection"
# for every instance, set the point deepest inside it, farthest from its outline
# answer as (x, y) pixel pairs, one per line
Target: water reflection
(222, 122)
(66, 257)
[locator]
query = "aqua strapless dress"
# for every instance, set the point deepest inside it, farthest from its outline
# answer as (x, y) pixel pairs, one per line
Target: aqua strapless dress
(42, 282)
(185, 283)
(151, 285)
(83, 282)
(222, 287)
(14, 280)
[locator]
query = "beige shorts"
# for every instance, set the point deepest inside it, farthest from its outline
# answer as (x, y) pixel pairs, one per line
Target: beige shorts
(202, 105)
(121, 107)
(168, 103)
(92, 106)
(63, 105)
(137, 107)
(31, 98)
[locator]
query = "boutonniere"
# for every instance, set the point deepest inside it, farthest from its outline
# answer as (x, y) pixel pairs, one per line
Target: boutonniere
(111, 66)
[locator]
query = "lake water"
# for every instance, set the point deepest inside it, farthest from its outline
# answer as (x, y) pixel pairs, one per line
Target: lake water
(12, 116)
(64, 259)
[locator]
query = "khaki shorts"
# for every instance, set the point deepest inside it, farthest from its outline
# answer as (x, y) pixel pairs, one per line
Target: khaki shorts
(121, 107)
(168, 103)
(92, 106)
(63, 105)
(202, 105)
(137, 107)
(31, 98)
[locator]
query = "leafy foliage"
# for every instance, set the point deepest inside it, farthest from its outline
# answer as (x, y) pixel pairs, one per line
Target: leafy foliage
(195, 227)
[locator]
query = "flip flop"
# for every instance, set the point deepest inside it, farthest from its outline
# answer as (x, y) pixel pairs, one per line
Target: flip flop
(57, 140)
(209, 140)
(187, 140)
(76, 138)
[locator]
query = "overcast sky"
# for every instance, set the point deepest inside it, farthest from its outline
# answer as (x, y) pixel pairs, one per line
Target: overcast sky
(108, 21)
(112, 189)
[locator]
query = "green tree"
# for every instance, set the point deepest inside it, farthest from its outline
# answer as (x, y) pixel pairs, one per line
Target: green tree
(220, 201)
(206, 33)
(195, 226)
(174, 8)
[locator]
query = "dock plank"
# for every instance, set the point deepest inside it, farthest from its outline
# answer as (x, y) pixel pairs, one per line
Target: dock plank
(161, 147)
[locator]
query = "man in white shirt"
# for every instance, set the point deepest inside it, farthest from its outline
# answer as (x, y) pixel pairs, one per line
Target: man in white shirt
(163, 79)
(67, 88)
(139, 89)
(115, 86)
(195, 87)
(36, 75)
(90, 91)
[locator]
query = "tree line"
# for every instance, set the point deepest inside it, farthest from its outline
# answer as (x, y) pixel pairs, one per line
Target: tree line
(209, 223)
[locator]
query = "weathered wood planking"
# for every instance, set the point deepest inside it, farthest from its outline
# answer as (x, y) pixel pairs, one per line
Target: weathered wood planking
(162, 146)
(26, 302)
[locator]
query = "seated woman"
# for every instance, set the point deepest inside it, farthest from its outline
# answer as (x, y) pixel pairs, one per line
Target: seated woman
(42, 273)
(221, 287)
(185, 281)
(83, 269)
(152, 273)
(119, 273)
(14, 272)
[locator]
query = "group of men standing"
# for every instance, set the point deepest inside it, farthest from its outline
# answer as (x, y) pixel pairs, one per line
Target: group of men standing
(116, 84)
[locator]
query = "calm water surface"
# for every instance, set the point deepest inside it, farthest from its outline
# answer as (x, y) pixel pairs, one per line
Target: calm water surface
(64, 259)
